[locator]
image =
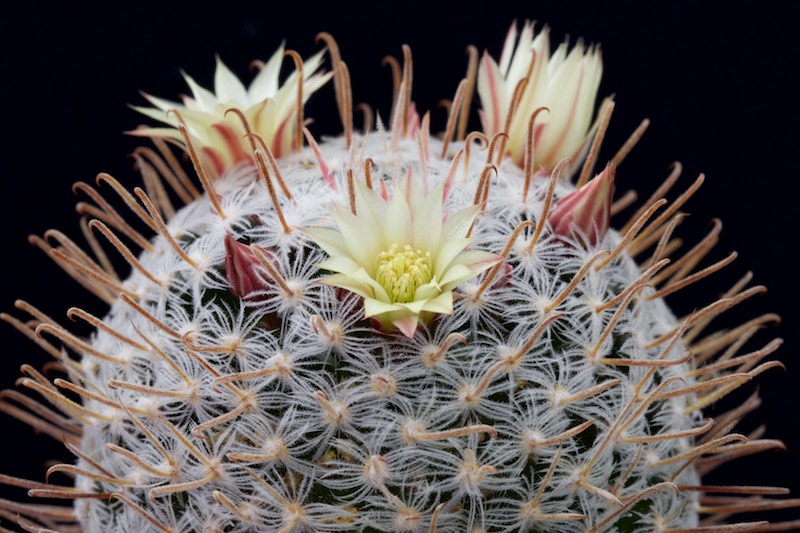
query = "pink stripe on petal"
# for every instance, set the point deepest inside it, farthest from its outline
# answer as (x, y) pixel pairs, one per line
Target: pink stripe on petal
(213, 157)
(323, 166)
(493, 97)
(232, 141)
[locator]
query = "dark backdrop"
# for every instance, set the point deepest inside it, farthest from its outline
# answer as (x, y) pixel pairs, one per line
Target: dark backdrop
(718, 82)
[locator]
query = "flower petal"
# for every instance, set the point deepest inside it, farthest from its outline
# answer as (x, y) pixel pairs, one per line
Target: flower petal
(349, 283)
(426, 227)
(204, 98)
(340, 264)
(156, 114)
(457, 224)
(407, 325)
(413, 307)
(328, 239)
(373, 307)
(430, 290)
(468, 265)
(162, 103)
(442, 304)
(397, 223)
(363, 244)
(369, 205)
(378, 291)
(492, 92)
(265, 84)
(447, 254)
(169, 133)
(455, 275)
(478, 260)
(228, 87)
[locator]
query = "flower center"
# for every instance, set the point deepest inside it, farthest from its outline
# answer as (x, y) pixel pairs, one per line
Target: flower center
(402, 271)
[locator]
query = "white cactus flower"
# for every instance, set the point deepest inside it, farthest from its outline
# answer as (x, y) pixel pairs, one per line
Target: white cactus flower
(269, 107)
(402, 256)
(565, 83)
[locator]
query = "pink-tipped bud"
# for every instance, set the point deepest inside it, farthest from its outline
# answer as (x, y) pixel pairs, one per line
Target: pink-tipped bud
(242, 269)
(585, 214)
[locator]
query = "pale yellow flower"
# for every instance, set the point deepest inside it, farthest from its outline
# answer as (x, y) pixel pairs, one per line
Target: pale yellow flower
(565, 83)
(269, 107)
(403, 256)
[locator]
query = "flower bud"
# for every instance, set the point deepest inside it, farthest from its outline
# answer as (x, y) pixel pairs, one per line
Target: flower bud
(242, 269)
(585, 213)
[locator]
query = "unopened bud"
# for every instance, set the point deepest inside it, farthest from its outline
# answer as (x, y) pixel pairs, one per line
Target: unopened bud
(585, 213)
(242, 269)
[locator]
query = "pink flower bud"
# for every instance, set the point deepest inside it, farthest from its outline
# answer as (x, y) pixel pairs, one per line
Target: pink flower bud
(242, 269)
(585, 213)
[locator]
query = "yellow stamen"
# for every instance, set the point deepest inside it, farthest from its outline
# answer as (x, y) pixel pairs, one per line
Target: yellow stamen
(401, 272)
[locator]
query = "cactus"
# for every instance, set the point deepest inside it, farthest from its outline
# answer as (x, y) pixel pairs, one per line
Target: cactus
(390, 331)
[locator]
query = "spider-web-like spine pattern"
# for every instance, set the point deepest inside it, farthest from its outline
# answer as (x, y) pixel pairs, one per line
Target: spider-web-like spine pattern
(289, 412)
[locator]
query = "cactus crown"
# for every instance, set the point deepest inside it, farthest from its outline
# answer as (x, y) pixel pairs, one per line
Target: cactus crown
(388, 331)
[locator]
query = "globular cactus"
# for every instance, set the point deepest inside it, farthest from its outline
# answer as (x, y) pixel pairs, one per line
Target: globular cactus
(391, 331)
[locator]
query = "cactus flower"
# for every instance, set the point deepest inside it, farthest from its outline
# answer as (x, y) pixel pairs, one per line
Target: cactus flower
(564, 82)
(585, 214)
(402, 256)
(267, 105)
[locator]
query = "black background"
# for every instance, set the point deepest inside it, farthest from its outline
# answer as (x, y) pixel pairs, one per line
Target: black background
(718, 80)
